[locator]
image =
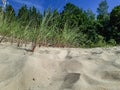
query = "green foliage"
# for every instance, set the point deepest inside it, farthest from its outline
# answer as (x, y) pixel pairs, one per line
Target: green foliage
(35, 17)
(0, 9)
(90, 15)
(73, 15)
(23, 15)
(10, 14)
(103, 8)
(73, 27)
(115, 17)
(103, 21)
(115, 23)
(112, 42)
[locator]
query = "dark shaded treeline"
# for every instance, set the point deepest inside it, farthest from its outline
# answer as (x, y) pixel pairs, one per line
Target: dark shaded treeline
(91, 31)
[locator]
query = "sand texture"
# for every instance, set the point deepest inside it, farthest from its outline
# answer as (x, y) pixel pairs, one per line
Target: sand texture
(59, 68)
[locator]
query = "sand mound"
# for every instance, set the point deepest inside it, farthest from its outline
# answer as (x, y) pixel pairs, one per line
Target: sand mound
(59, 69)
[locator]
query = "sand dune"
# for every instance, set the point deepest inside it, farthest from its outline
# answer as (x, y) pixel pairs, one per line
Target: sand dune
(59, 68)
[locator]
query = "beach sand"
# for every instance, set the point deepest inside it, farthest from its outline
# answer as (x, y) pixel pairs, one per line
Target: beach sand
(59, 68)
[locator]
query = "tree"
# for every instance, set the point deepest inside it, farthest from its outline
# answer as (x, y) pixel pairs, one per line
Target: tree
(10, 13)
(73, 15)
(115, 17)
(23, 15)
(1, 11)
(39, 18)
(55, 21)
(102, 9)
(47, 17)
(34, 17)
(115, 23)
(103, 20)
(90, 15)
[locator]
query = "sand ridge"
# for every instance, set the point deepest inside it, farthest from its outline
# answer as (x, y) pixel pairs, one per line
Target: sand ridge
(59, 68)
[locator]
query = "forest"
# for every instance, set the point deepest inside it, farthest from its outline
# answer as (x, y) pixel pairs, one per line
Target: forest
(73, 27)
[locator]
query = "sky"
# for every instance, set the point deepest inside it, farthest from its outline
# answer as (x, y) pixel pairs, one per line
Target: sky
(42, 5)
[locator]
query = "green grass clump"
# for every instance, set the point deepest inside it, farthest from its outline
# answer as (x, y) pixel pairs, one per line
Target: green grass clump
(49, 33)
(42, 35)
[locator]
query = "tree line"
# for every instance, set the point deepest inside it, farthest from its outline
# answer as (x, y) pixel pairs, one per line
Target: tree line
(77, 27)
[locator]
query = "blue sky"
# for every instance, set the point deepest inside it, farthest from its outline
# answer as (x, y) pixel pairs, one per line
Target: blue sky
(59, 4)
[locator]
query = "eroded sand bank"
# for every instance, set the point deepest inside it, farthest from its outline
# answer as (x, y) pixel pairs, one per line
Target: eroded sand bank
(59, 69)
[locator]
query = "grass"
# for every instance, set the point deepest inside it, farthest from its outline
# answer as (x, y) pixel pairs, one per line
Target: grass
(45, 34)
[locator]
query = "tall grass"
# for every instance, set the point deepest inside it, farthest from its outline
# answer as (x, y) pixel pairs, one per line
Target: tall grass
(46, 34)
(43, 35)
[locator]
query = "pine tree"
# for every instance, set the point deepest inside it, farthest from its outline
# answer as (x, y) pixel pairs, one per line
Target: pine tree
(115, 23)
(73, 15)
(103, 20)
(10, 13)
(103, 8)
(23, 15)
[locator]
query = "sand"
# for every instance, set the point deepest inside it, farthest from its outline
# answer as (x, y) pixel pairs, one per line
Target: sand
(59, 68)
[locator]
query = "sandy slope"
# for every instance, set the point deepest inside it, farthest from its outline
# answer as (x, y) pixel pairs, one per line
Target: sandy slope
(59, 69)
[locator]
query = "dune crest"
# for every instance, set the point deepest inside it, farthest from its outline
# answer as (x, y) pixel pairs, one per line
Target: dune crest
(59, 69)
